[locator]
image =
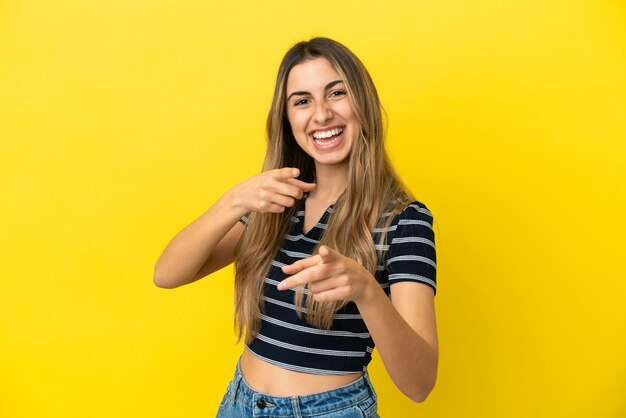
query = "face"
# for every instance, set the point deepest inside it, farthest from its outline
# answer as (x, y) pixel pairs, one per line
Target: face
(320, 112)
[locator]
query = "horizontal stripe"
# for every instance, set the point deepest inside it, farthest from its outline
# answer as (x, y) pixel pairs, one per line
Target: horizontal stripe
(413, 277)
(275, 283)
(330, 332)
(285, 304)
(387, 229)
(305, 310)
(412, 258)
(347, 316)
(293, 347)
(278, 264)
(414, 222)
(392, 228)
(301, 369)
(295, 254)
(404, 240)
(421, 210)
(297, 238)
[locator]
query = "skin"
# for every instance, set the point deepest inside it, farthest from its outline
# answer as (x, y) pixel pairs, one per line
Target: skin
(403, 328)
(317, 100)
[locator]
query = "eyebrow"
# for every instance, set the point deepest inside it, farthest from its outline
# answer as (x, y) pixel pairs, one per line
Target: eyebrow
(304, 93)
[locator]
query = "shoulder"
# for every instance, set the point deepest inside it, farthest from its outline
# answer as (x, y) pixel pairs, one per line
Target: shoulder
(414, 219)
(414, 211)
(410, 217)
(411, 254)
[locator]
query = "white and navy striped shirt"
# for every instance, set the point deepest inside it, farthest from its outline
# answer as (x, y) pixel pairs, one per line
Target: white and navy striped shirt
(292, 343)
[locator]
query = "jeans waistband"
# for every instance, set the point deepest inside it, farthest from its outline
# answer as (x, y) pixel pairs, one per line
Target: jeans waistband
(262, 404)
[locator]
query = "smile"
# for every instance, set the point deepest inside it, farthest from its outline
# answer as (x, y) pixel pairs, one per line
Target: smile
(327, 134)
(328, 139)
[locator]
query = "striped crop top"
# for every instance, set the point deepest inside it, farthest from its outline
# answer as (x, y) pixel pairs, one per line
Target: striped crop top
(292, 343)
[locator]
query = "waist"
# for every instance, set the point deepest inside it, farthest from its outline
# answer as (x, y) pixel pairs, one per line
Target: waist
(277, 381)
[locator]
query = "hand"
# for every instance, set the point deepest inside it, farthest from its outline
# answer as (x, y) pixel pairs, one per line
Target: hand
(271, 191)
(330, 276)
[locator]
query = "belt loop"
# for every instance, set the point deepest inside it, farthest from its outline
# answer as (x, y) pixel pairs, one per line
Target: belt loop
(235, 388)
(236, 382)
(369, 385)
(295, 404)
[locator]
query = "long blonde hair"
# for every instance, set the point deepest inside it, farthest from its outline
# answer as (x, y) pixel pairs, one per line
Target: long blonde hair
(373, 187)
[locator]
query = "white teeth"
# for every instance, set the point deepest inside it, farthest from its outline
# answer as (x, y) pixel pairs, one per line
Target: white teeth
(322, 142)
(327, 134)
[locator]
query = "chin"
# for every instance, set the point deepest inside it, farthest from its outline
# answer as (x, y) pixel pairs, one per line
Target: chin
(332, 161)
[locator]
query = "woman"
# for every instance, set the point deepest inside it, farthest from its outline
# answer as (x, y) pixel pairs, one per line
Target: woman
(331, 253)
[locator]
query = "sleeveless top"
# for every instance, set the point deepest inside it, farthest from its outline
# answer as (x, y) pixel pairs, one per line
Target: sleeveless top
(290, 342)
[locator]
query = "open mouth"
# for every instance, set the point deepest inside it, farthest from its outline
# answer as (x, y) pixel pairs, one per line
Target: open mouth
(327, 138)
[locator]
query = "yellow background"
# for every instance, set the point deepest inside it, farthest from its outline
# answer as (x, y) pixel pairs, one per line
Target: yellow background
(121, 122)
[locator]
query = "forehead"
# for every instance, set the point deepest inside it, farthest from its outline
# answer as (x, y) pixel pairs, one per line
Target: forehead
(311, 75)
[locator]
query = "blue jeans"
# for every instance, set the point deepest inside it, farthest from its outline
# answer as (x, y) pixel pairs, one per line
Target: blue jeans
(356, 399)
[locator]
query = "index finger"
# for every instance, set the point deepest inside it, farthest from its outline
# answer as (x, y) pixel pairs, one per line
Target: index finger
(302, 185)
(300, 265)
(310, 274)
(287, 173)
(326, 253)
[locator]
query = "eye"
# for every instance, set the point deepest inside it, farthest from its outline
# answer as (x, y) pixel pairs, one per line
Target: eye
(301, 102)
(338, 93)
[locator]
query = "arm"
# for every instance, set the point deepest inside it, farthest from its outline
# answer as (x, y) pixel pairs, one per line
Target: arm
(404, 331)
(404, 328)
(204, 246)
(208, 243)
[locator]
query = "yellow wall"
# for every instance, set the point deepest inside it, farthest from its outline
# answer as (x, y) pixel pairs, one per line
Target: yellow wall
(120, 122)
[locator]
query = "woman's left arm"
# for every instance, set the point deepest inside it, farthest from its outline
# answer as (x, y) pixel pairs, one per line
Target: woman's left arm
(404, 330)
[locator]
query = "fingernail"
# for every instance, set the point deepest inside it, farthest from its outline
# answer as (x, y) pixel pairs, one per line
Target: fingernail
(281, 286)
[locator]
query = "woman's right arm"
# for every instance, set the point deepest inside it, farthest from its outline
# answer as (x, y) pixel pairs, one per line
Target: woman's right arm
(204, 246)
(208, 243)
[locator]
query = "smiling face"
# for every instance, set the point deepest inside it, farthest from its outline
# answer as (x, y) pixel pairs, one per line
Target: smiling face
(320, 113)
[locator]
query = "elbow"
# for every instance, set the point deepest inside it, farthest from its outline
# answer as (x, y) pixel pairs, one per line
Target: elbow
(162, 280)
(421, 395)
(162, 284)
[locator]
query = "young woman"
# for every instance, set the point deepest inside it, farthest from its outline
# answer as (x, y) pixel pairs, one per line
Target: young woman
(332, 254)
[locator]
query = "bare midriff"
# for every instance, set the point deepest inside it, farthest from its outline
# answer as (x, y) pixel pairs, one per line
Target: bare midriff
(273, 380)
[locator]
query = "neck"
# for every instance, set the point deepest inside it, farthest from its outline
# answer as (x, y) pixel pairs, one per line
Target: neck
(331, 182)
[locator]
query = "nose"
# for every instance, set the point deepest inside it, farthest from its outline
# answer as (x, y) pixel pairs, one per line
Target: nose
(323, 112)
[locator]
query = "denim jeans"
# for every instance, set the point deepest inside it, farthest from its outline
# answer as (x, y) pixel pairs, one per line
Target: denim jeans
(356, 399)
